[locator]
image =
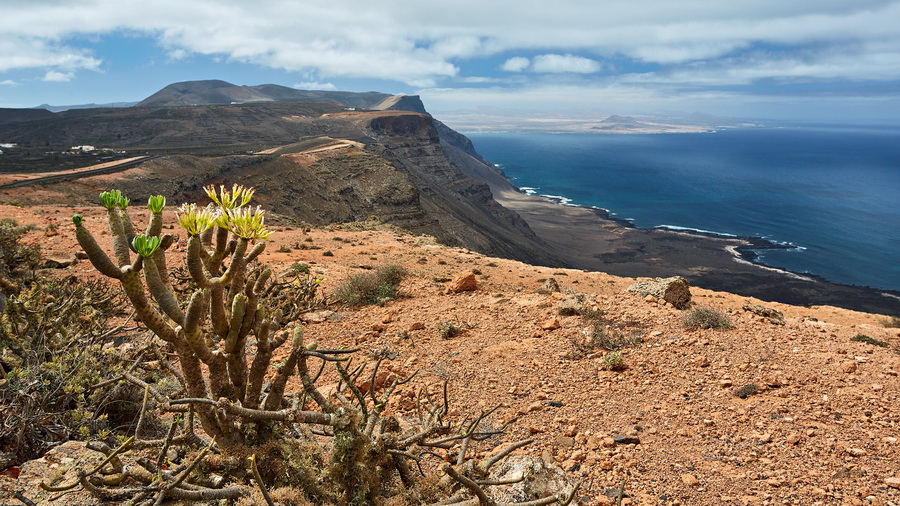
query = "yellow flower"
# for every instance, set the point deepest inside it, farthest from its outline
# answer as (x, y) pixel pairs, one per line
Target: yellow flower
(196, 220)
(239, 196)
(248, 223)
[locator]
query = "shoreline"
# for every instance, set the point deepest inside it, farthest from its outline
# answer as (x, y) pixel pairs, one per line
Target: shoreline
(745, 254)
(593, 238)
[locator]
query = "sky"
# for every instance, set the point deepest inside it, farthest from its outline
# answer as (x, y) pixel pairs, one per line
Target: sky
(801, 60)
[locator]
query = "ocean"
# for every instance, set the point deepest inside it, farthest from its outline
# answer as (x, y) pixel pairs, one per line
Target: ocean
(832, 193)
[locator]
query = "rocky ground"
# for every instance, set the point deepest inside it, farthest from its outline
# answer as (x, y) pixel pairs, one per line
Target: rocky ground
(821, 428)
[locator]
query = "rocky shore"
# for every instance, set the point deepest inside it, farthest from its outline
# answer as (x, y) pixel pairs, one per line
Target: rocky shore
(589, 238)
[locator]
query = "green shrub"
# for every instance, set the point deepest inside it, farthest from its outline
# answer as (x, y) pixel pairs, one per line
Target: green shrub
(613, 361)
(706, 318)
(448, 329)
(600, 336)
(862, 338)
(371, 287)
(747, 390)
(52, 337)
(893, 322)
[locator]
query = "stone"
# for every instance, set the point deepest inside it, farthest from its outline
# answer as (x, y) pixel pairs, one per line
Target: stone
(793, 438)
(849, 366)
(856, 452)
(550, 324)
(464, 282)
(690, 480)
(674, 290)
(539, 479)
(893, 482)
(416, 326)
(627, 440)
(317, 316)
(565, 442)
(550, 286)
(775, 316)
(58, 263)
(572, 305)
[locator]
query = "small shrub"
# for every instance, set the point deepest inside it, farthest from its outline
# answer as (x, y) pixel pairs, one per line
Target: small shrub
(892, 323)
(476, 272)
(706, 318)
(448, 329)
(862, 338)
(613, 361)
(284, 249)
(300, 268)
(371, 287)
(747, 390)
(599, 336)
(327, 253)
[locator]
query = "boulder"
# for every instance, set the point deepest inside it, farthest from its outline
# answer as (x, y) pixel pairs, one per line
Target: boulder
(572, 305)
(674, 290)
(464, 282)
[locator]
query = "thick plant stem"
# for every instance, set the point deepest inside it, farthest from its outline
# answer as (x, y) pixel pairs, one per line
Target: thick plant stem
(95, 253)
(121, 247)
(162, 293)
(195, 262)
(134, 289)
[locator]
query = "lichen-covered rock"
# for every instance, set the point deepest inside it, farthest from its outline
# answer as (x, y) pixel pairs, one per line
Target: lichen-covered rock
(571, 305)
(540, 479)
(775, 316)
(550, 286)
(674, 290)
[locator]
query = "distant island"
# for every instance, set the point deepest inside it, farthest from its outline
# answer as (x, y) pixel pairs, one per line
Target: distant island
(484, 123)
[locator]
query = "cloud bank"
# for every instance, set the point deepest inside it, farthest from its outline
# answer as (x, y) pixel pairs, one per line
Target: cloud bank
(657, 45)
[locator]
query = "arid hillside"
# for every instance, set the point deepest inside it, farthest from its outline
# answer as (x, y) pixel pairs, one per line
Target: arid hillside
(802, 411)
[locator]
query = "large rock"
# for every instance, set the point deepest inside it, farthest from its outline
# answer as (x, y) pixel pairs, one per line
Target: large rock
(572, 304)
(674, 290)
(464, 282)
(541, 479)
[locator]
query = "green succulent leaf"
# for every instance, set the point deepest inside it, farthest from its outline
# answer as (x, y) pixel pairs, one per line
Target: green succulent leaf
(123, 202)
(156, 203)
(110, 199)
(77, 219)
(145, 245)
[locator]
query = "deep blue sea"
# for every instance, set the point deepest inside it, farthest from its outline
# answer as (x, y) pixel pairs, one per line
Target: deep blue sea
(832, 192)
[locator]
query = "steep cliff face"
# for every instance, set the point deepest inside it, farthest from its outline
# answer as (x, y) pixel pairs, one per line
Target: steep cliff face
(464, 207)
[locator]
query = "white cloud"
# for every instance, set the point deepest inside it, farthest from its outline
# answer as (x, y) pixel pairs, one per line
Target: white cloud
(310, 85)
(8, 82)
(560, 63)
(58, 77)
(516, 64)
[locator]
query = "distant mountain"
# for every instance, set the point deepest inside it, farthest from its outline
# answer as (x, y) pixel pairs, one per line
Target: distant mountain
(60, 108)
(221, 92)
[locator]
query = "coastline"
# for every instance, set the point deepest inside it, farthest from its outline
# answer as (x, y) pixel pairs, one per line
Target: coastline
(593, 238)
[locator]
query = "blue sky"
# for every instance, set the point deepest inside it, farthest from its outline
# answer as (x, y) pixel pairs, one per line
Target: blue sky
(804, 60)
